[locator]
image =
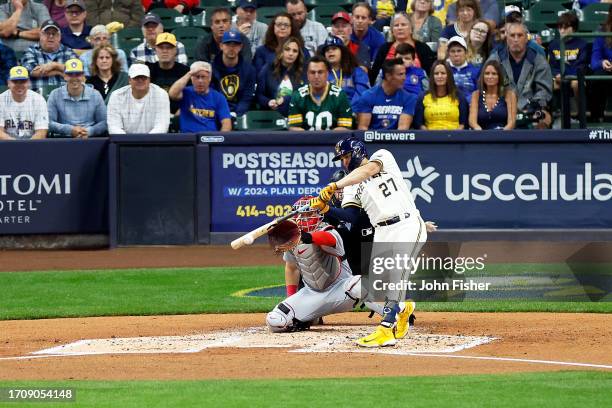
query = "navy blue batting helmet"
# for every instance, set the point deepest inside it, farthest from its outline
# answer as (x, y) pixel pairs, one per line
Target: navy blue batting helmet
(354, 146)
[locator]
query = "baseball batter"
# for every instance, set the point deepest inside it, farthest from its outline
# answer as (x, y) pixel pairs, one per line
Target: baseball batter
(376, 185)
(353, 233)
(329, 286)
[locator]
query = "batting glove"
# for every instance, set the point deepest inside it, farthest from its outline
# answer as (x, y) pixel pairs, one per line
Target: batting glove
(327, 192)
(317, 204)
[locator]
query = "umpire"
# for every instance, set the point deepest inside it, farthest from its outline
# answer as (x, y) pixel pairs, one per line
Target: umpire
(352, 235)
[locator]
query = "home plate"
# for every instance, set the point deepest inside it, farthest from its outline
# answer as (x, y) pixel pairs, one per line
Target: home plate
(320, 339)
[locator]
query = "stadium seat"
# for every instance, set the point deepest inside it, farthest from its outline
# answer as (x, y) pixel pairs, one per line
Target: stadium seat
(345, 4)
(129, 38)
(3, 88)
(45, 91)
(201, 20)
(265, 14)
(545, 11)
(212, 4)
(189, 34)
(18, 55)
(261, 120)
(190, 50)
(593, 16)
(172, 19)
(324, 14)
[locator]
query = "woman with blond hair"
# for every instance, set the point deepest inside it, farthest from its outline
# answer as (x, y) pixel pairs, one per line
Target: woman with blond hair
(493, 106)
(401, 33)
(426, 27)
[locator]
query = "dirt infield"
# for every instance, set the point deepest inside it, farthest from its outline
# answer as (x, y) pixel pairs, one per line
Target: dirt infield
(523, 341)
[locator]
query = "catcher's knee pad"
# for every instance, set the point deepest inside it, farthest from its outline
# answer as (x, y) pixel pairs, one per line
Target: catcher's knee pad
(280, 319)
(353, 289)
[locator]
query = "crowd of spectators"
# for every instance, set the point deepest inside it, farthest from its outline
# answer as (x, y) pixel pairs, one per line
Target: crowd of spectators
(461, 64)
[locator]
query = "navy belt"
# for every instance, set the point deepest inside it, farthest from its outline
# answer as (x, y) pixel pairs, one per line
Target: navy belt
(393, 220)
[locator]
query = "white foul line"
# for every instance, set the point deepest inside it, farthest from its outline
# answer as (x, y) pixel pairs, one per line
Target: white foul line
(517, 360)
(514, 360)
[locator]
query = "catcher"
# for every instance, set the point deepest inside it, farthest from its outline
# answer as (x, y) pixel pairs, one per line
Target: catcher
(313, 250)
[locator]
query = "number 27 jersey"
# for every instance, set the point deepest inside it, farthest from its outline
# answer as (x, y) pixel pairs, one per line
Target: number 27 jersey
(384, 195)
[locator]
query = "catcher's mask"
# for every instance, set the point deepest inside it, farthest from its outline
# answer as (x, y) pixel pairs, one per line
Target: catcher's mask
(307, 221)
(336, 200)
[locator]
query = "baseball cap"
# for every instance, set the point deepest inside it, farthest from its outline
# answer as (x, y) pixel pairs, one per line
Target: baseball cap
(166, 38)
(231, 36)
(75, 3)
(139, 70)
(512, 9)
(247, 4)
(18, 73)
(150, 18)
(343, 15)
(200, 66)
(49, 24)
(73, 66)
(332, 41)
(459, 40)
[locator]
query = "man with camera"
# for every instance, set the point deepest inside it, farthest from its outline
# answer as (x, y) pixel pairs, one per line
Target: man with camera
(529, 74)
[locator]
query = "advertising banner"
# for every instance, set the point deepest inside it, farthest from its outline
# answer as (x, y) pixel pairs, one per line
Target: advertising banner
(460, 185)
(252, 185)
(520, 185)
(54, 187)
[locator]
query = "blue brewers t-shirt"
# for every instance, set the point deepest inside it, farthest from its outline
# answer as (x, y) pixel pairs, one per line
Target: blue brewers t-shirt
(201, 112)
(385, 109)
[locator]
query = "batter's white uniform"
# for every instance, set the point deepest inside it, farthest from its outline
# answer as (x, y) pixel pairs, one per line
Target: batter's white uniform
(327, 279)
(386, 199)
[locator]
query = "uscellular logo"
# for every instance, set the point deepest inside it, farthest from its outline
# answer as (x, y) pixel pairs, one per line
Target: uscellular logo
(551, 183)
(427, 175)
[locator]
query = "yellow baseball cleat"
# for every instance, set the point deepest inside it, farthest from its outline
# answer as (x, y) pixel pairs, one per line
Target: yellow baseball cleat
(382, 337)
(403, 319)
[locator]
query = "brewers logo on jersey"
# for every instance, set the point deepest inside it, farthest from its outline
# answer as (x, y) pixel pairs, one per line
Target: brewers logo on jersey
(230, 85)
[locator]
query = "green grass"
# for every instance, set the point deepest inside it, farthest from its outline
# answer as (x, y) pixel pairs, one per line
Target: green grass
(553, 389)
(133, 292)
(35, 295)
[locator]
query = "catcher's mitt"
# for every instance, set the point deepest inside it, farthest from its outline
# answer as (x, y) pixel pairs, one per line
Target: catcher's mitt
(285, 236)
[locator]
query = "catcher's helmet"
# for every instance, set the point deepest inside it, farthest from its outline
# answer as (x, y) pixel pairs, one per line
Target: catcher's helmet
(307, 221)
(336, 200)
(354, 146)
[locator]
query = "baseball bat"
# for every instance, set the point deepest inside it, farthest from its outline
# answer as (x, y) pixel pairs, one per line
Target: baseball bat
(249, 237)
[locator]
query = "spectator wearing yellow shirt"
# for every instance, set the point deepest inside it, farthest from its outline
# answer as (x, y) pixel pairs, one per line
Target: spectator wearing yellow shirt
(442, 107)
(440, 8)
(384, 10)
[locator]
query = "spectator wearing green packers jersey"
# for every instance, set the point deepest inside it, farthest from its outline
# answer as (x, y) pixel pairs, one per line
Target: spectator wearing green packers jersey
(319, 105)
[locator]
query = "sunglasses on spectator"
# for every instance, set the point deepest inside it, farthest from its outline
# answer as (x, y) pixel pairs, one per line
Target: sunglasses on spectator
(480, 31)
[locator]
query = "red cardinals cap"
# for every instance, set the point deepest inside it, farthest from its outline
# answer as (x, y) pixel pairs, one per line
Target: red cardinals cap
(341, 15)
